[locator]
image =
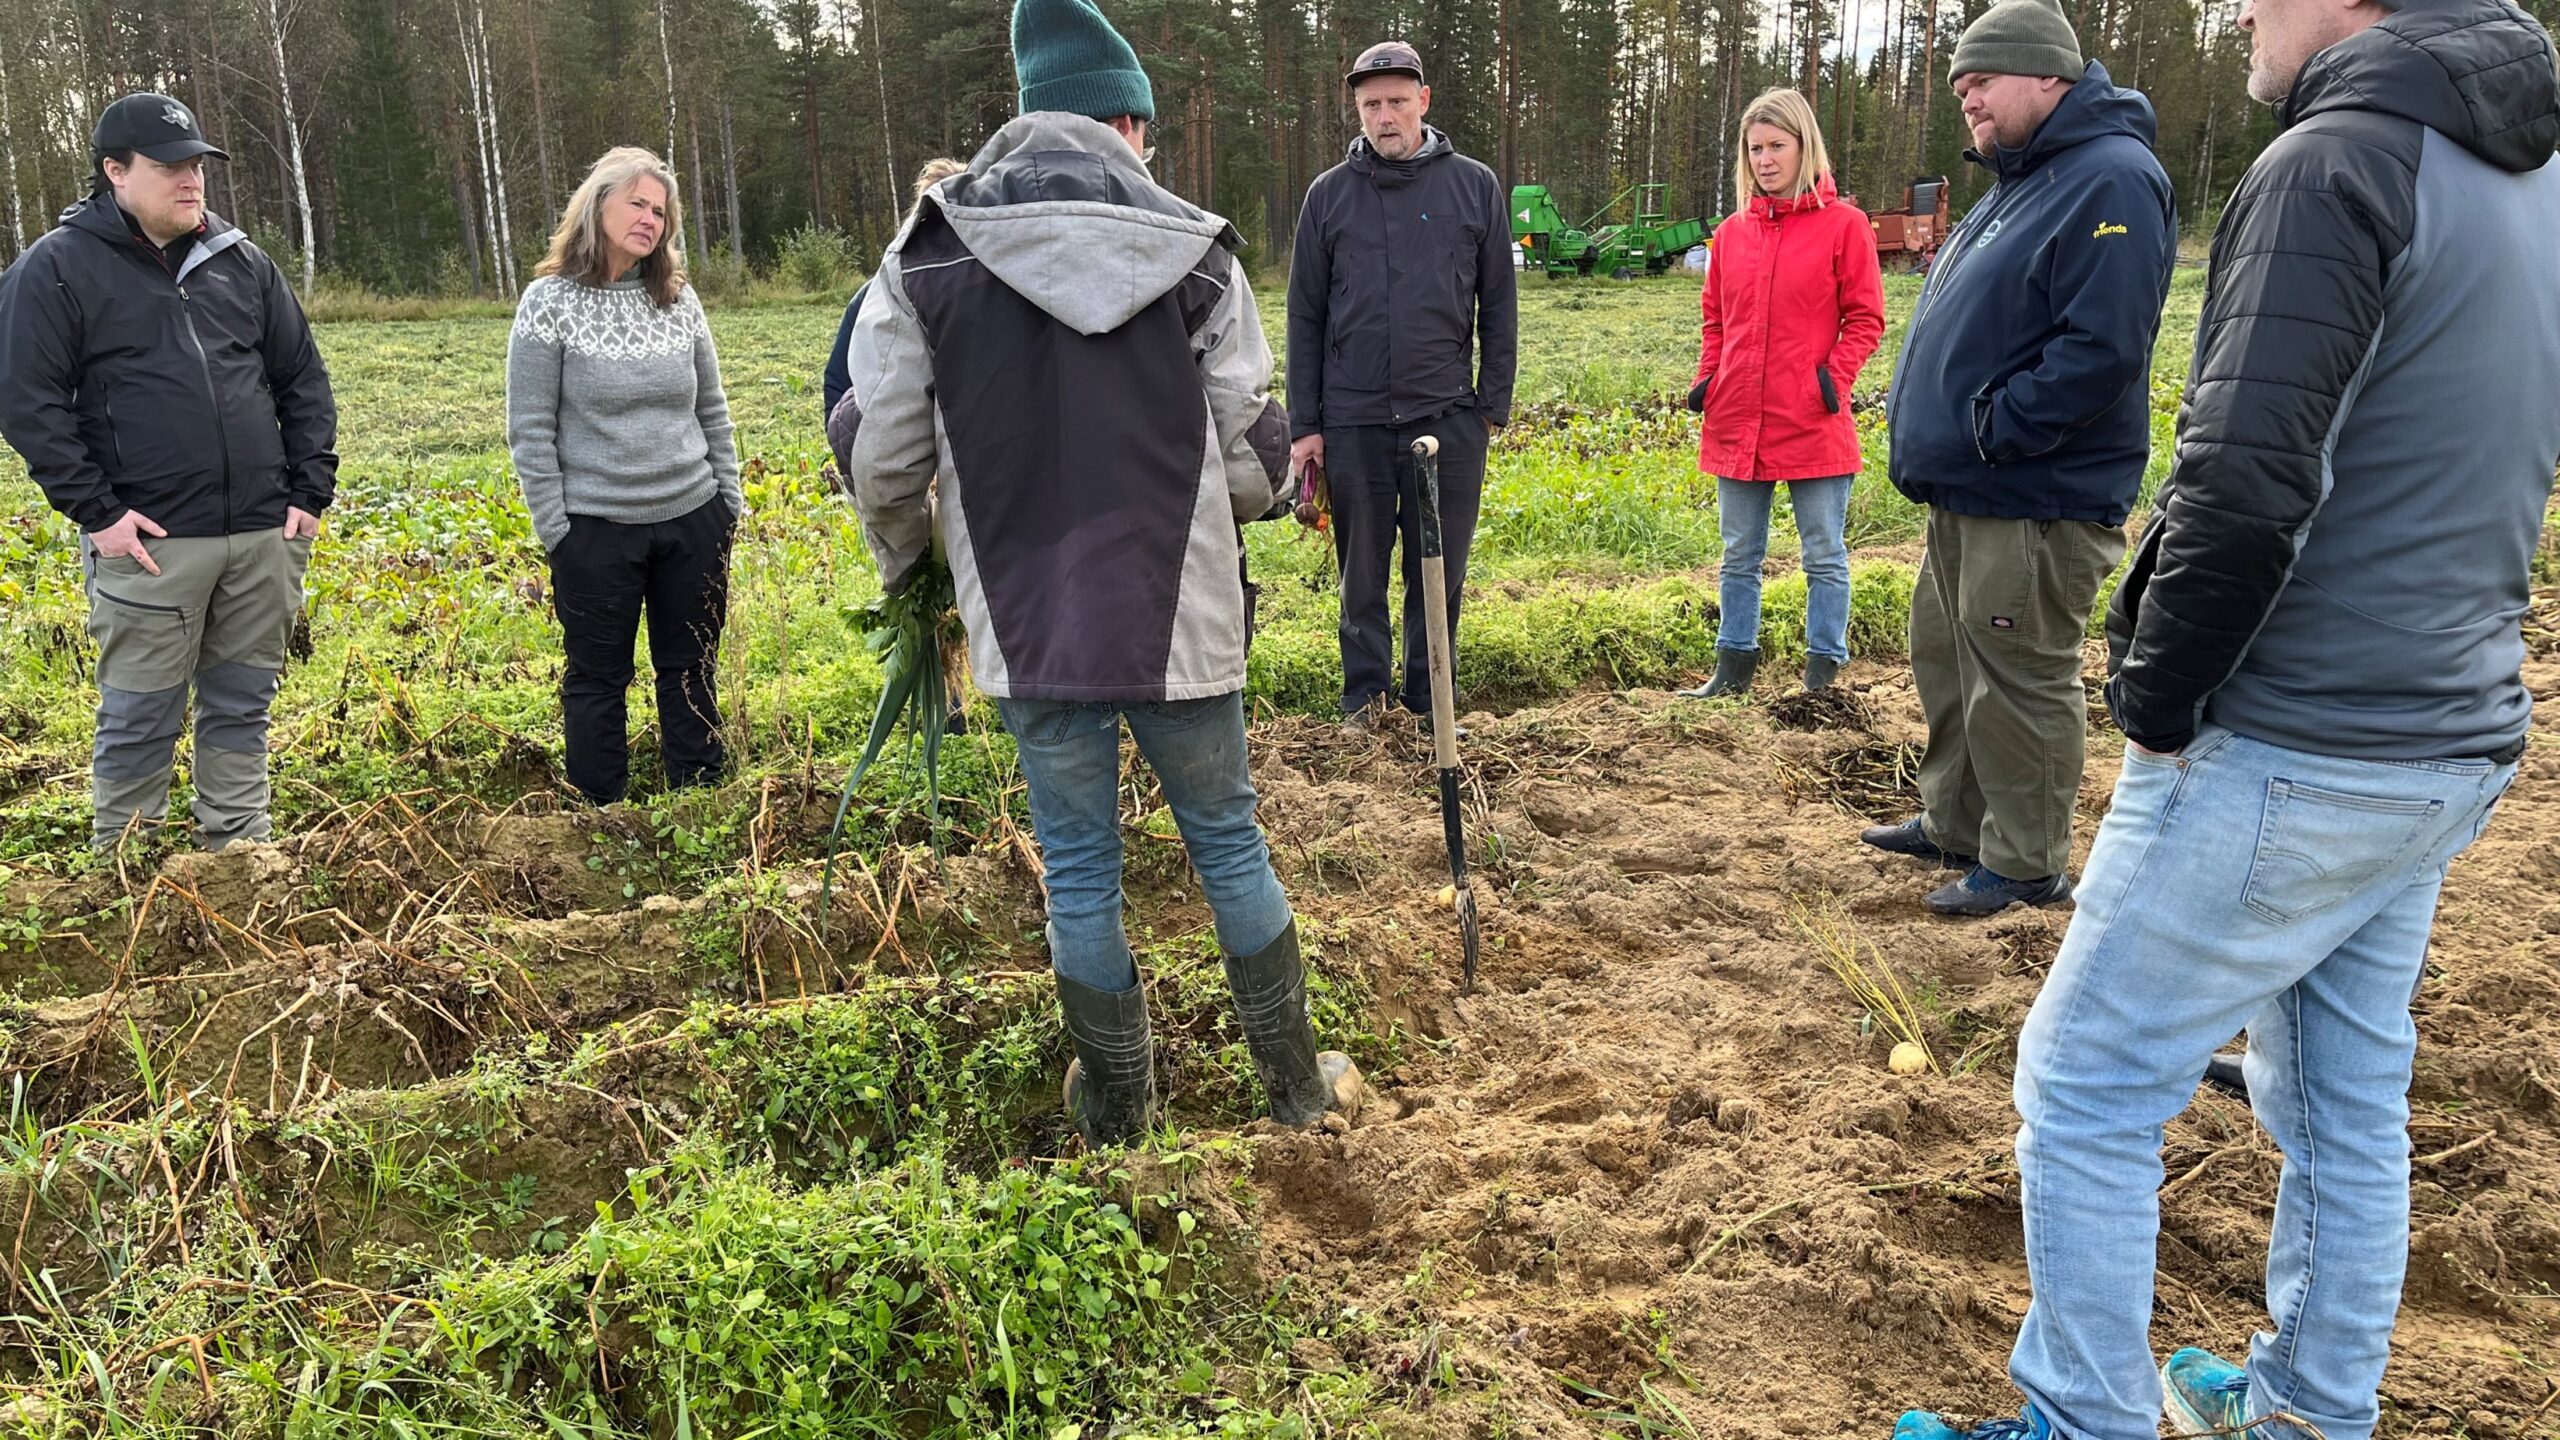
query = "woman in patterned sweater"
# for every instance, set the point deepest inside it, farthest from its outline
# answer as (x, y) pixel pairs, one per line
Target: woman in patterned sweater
(621, 438)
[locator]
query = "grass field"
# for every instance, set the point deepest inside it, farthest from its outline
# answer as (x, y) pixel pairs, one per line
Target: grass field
(1593, 562)
(572, 1167)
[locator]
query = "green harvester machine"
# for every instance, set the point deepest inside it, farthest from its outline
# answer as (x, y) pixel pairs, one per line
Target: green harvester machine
(1648, 245)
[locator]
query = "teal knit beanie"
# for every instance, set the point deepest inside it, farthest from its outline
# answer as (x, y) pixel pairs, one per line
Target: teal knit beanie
(1067, 57)
(2019, 37)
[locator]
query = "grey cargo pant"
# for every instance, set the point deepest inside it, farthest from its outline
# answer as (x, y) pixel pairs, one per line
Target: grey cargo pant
(216, 618)
(1997, 620)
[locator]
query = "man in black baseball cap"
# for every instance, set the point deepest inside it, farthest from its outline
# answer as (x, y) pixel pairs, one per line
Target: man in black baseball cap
(152, 125)
(186, 426)
(1403, 321)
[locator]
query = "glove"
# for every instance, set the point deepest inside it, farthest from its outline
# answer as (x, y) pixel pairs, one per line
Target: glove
(1830, 392)
(1696, 404)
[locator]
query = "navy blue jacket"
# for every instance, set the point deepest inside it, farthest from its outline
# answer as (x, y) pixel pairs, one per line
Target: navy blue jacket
(2023, 390)
(839, 376)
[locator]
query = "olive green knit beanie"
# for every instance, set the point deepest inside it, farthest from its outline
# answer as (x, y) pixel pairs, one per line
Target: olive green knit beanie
(2019, 37)
(1067, 57)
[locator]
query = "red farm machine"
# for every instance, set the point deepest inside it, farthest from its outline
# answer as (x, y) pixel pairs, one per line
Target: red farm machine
(1908, 238)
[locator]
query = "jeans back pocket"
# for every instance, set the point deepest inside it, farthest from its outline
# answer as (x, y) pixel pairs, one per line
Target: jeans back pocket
(2318, 848)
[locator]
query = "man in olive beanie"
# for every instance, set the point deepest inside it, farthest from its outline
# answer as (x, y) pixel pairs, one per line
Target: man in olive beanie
(2020, 37)
(2020, 415)
(1067, 57)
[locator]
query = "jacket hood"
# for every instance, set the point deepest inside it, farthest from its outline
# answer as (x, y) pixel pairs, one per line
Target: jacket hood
(1059, 208)
(1824, 192)
(1364, 158)
(2095, 108)
(2478, 71)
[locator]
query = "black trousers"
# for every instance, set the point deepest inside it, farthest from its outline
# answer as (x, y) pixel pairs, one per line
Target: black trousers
(602, 576)
(1369, 471)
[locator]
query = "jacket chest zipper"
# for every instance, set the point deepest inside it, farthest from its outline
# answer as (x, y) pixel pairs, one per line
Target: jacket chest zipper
(1958, 245)
(1966, 234)
(213, 397)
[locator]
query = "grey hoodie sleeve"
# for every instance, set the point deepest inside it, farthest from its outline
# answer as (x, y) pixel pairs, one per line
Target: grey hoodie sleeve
(711, 408)
(533, 414)
(1253, 431)
(891, 463)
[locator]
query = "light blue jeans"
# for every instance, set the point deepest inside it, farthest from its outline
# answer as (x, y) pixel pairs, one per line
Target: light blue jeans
(1071, 765)
(1822, 522)
(2239, 884)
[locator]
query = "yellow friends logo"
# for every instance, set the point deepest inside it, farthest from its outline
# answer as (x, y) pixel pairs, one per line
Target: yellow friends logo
(2105, 229)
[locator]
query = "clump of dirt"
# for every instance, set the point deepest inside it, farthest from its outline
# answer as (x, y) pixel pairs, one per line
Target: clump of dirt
(1833, 707)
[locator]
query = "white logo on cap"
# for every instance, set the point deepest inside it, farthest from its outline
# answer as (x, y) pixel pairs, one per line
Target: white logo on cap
(176, 114)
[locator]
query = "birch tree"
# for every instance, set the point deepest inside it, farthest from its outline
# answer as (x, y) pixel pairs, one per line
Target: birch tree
(278, 17)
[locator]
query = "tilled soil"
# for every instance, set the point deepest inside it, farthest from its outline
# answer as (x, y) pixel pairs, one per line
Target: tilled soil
(1658, 1171)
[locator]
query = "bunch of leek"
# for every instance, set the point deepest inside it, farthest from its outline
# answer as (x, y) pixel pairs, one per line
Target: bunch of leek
(907, 631)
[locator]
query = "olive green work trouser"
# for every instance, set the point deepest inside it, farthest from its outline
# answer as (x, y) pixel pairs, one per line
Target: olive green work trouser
(216, 620)
(1997, 621)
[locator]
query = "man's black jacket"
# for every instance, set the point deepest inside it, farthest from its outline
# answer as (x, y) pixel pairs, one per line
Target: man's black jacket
(193, 395)
(1399, 266)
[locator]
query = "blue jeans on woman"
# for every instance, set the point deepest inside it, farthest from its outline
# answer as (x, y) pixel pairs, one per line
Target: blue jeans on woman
(1071, 764)
(2236, 884)
(1822, 523)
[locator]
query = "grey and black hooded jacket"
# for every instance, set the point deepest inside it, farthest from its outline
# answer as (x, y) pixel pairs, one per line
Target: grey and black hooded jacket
(192, 393)
(1074, 350)
(2343, 548)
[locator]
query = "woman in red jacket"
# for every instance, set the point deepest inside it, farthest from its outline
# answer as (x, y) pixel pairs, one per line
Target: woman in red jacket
(1793, 306)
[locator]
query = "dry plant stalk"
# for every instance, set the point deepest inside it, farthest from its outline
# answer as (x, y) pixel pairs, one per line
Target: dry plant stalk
(1862, 969)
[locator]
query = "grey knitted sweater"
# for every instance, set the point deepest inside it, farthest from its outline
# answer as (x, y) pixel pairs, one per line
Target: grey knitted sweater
(614, 407)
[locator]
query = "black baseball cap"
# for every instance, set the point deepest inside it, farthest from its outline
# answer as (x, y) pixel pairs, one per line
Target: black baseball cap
(153, 125)
(1387, 57)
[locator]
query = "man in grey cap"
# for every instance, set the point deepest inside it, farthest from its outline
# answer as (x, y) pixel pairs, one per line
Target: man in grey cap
(2021, 416)
(160, 379)
(1403, 321)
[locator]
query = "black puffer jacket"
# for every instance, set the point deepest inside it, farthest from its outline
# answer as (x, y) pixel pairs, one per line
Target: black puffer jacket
(1399, 270)
(2365, 449)
(195, 396)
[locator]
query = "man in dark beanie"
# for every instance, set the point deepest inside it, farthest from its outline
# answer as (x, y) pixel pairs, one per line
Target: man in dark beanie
(2317, 661)
(1075, 351)
(2020, 414)
(1403, 322)
(158, 376)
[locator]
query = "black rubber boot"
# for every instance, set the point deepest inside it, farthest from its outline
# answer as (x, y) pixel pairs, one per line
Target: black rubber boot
(1111, 1084)
(1820, 671)
(1300, 1081)
(1734, 672)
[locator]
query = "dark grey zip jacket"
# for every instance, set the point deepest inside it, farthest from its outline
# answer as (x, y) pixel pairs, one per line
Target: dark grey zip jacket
(1401, 268)
(2344, 546)
(1060, 374)
(195, 396)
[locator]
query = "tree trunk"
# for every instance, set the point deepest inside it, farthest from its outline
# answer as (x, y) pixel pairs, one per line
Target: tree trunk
(879, 73)
(480, 148)
(497, 152)
(693, 131)
(541, 115)
(729, 162)
(667, 57)
(8, 134)
(293, 141)
(458, 176)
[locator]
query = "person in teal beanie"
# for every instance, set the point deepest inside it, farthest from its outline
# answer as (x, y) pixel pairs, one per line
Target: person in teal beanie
(1067, 57)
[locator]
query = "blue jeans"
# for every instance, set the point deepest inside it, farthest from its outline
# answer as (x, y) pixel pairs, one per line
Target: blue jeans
(1071, 764)
(2238, 884)
(1822, 522)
